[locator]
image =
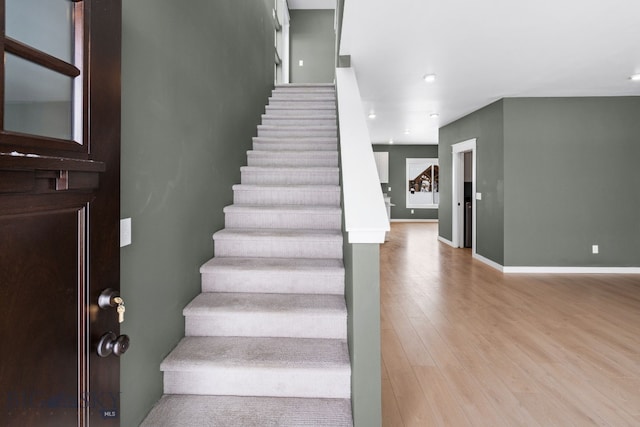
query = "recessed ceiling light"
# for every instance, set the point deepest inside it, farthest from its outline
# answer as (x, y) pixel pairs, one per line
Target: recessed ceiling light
(434, 115)
(429, 78)
(372, 115)
(635, 77)
(391, 141)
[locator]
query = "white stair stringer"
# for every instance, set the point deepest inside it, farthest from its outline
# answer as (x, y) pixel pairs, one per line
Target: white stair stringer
(266, 340)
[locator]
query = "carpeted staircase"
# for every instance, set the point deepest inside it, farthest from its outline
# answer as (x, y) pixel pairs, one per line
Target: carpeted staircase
(266, 340)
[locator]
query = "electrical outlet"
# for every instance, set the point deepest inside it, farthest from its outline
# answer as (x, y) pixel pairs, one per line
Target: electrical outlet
(412, 211)
(595, 249)
(388, 188)
(301, 63)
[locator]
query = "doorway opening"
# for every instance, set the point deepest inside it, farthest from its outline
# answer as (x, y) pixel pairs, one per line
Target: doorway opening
(464, 197)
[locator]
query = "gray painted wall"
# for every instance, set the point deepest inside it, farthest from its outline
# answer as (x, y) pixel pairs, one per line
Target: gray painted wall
(313, 40)
(398, 155)
(195, 81)
(362, 295)
(557, 175)
(486, 125)
(572, 180)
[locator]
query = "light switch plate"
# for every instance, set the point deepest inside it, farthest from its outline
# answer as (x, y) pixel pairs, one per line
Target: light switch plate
(125, 232)
(478, 196)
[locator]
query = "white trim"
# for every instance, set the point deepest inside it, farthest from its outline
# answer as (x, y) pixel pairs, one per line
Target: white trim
(445, 241)
(573, 270)
(489, 262)
(366, 236)
(414, 220)
(457, 192)
(555, 270)
(365, 213)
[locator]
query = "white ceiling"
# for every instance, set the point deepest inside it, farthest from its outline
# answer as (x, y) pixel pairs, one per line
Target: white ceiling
(481, 51)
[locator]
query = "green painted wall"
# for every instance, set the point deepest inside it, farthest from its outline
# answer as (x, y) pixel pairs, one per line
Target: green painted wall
(195, 81)
(362, 294)
(486, 125)
(398, 155)
(572, 180)
(313, 40)
(557, 175)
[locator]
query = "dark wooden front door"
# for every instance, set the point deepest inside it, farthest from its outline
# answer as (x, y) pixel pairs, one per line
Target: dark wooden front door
(59, 210)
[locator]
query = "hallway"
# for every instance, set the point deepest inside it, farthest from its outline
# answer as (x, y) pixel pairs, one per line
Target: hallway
(463, 344)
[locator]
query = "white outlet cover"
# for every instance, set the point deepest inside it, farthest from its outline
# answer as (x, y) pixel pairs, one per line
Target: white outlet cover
(389, 189)
(125, 232)
(478, 196)
(301, 63)
(595, 249)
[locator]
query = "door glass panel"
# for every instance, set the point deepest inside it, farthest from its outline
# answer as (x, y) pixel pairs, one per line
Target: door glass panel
(46, 25)
(37, 100)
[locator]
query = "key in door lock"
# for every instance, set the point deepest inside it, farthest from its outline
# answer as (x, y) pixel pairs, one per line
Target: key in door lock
(111, 298)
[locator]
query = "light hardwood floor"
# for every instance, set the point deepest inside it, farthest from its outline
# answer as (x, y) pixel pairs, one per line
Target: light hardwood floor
(465, 345)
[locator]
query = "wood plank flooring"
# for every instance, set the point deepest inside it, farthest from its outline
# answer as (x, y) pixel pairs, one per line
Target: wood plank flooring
(465, 345)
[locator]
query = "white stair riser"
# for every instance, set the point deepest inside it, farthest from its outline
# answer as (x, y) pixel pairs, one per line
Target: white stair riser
(283, 132)
(312, 159)
(279, 248)
(238, 381)
(268, 325)
(293, 196)
(268, 176)
(284, 220)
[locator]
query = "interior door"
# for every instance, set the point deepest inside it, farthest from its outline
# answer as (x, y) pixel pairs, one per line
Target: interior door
(59, 210)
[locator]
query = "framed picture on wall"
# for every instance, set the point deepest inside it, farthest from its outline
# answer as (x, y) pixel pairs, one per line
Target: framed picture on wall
(422, 183)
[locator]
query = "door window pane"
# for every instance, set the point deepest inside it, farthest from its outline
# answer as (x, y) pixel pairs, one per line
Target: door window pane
(46, 25)
(37, 100)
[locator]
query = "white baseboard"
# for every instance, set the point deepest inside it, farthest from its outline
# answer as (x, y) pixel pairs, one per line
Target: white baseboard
(490, 263)
(448, 242)
(572, 270)
(557, 270)
(414, 220)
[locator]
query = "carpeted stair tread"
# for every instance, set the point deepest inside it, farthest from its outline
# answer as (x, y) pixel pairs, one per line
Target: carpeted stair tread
(202, 353)
(294, 131)
(266, 315)
(289, 158)
(266, 265)
(322, 175)
(236, 411)
(309, 209)
(286, 194)
(273, 275)
(283, 216)
(278, 243)
(251, 234)
(209, 302)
